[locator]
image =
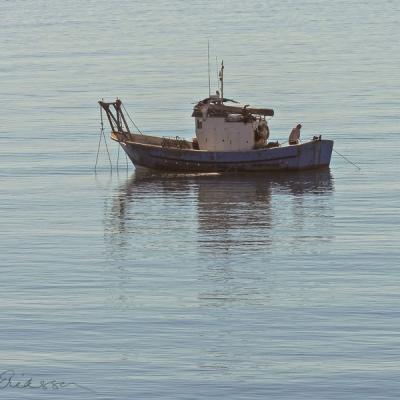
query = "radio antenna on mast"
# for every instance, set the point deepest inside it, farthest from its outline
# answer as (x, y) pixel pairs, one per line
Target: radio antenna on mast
(221, 78)
(208, 58)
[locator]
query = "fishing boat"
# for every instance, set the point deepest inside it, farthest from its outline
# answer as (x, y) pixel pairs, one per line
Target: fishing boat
(229, 137)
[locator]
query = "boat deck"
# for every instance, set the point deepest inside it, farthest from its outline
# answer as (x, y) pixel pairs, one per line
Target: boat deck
(177, 143)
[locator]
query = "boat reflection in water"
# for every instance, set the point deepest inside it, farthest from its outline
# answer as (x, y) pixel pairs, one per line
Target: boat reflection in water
(223, 211)
(250, 210)
(224, 231)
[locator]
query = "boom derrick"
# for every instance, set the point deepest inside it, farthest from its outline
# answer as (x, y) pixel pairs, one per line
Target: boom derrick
(115, 116)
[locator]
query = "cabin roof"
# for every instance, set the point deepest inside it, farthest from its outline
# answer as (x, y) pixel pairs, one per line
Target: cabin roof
(219, 109)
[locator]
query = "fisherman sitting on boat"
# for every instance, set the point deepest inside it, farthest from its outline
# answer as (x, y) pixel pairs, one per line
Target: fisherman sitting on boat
(261, 135)
(294, 137)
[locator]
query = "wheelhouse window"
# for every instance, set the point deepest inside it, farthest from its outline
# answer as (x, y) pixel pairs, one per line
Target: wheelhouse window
(199, 124)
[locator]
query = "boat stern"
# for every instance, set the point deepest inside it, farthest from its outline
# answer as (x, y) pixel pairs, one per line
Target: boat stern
(315, 154)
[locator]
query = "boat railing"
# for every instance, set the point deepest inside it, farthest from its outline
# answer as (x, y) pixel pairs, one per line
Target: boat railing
(177, 143)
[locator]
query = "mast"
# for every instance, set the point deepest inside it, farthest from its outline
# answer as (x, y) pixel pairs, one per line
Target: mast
(209, 82)
(217, 75)
(221, 78)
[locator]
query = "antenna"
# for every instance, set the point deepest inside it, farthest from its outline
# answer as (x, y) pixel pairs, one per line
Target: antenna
(216, 64)
(208, 58)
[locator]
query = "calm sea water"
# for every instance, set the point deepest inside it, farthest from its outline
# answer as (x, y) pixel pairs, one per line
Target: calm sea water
(132, 286)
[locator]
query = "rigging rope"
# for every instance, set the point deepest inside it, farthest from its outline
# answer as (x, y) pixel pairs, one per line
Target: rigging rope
(131, 119)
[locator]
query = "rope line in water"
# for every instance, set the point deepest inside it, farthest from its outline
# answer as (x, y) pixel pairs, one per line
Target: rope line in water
(102, 134)
(341, 155)
(98, 151)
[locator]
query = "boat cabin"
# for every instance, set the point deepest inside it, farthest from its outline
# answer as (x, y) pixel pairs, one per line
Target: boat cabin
(221, 127)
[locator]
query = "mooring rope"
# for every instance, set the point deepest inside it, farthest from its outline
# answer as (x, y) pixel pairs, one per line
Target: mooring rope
(98, 147)
(118, 157)
(341, 155)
